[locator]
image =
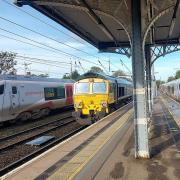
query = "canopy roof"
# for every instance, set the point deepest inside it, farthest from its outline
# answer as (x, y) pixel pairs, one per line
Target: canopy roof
(107, 24)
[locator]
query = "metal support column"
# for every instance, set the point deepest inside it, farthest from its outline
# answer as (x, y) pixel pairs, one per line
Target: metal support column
(140, 112)
(148, 78)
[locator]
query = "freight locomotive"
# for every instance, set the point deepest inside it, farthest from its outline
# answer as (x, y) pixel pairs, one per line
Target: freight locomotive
(27, 97)
(172, 89)
(96, 94)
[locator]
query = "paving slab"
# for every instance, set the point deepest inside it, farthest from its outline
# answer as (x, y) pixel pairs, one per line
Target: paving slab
(116, 160)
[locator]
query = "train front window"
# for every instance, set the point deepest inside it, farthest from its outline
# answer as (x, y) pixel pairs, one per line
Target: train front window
(99, 88)
(1, 89)
(82, 88)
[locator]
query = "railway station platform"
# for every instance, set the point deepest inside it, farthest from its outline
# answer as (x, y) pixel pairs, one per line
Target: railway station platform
(105, 150)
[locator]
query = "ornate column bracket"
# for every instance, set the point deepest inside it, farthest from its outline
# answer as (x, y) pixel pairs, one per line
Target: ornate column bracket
(161, 51)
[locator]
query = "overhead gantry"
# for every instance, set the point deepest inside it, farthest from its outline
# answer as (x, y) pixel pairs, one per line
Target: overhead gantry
(130, 27)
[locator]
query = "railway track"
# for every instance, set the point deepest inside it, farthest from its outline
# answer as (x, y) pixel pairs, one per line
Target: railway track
(10, 129)
(19, 152)
(10, 143)
(33, 128)
(16, 153)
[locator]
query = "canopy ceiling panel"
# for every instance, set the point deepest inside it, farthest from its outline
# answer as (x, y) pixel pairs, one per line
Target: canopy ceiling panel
(106, 24)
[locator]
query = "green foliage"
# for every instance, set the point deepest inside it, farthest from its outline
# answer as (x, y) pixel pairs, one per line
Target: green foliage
(7, 63)
(96, 69)
(171, 78)
(177, 76)
(43, 75)
(74, 75)
(118, 73)
(159, 82)
(39, 75)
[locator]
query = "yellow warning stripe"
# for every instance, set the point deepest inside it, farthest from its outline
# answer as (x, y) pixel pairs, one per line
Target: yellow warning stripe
(77, 163)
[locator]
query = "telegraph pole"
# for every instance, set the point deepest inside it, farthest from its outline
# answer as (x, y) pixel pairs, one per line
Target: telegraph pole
(26, 68)
(71, 69)
(109, 65)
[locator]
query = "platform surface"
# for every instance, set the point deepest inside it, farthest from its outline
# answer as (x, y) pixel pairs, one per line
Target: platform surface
(117, 159)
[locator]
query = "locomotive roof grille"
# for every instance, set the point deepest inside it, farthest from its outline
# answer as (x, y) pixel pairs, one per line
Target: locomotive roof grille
(34, 78)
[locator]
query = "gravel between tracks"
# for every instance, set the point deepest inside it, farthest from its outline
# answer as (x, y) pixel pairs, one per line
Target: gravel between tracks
(14, 128)
(19, 151)
(29, 134)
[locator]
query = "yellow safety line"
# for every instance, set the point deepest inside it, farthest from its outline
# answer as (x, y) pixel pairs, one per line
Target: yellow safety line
(124, 119)
(106, 140)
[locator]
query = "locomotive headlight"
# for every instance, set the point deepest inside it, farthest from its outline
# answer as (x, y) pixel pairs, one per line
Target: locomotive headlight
(104, 104)
(78, 105)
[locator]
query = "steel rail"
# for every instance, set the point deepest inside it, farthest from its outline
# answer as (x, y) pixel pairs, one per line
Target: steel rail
(30, 156)
(34, 136)
(31, 129)
(37, 152)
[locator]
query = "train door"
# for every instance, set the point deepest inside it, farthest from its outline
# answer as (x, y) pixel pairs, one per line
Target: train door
(115, 91)
(69, 94)
(14, 99)
(22, 96)
(2, 87)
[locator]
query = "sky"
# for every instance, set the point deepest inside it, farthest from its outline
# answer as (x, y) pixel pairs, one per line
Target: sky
(58, 63)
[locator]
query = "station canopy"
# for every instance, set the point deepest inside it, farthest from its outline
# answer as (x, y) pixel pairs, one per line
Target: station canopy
(106, 24)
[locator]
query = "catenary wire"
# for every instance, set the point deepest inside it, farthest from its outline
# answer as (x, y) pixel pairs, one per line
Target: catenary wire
(55, 40)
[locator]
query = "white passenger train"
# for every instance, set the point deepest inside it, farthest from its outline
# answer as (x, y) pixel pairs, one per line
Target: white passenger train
(26, 97)
(172, 89)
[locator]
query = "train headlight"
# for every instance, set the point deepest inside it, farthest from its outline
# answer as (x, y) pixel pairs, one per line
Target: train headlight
(78, 105)
(104, 104)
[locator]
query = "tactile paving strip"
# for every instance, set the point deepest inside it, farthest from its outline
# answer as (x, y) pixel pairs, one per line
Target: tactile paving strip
(74, 166)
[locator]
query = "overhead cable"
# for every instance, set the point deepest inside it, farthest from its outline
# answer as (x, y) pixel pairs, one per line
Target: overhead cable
(55, 40)
(47, 46)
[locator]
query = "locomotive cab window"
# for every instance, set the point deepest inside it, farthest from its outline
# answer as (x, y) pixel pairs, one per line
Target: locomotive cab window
(1, 89)
(14, 90)
(99, 87)
(82, 88)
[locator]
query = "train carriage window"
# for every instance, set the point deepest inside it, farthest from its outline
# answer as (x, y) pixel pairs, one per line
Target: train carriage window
(111, 88)
(14, 90)
(60, 92)
(179, 86)
(1, 89)
(121, 91)
(54, 93)
(49, 93)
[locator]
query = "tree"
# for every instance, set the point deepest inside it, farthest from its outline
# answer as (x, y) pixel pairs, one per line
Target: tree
(171, 78)
(7, 63)
(177, 76)
(118, 73)
(74, 75)
(96, 69)
(43, 75)
(159, 82)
